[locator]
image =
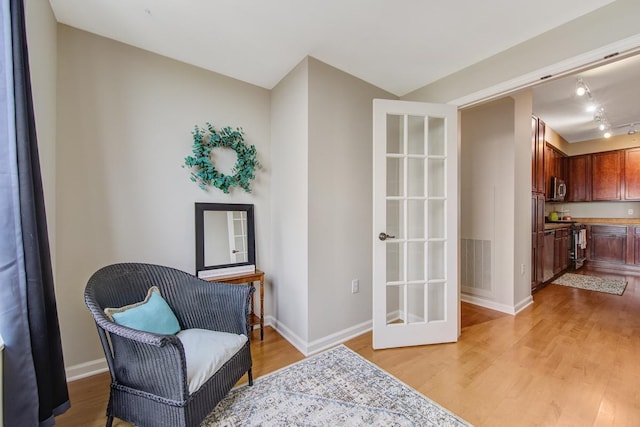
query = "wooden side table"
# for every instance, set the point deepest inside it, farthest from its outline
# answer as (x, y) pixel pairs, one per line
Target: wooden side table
(240, 279)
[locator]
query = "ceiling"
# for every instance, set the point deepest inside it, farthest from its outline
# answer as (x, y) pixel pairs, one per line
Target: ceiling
(614, 86)
(399, 46)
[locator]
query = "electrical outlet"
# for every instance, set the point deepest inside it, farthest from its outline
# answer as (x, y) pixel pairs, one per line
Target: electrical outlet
(630, 212)
(522, 269)
(355, 286)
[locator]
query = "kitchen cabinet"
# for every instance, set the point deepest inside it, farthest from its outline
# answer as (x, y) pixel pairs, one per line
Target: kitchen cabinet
(548, 255)
(608, 243)
(561, 250)
(579, 178)
(554, 165)
(636, 245)
(537, 155)
(607, 171)
(632, 174)
(537, 239)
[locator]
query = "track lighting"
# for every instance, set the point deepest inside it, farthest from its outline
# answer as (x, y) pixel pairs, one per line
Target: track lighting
(607, 134)
(582, 88)
(632, 129)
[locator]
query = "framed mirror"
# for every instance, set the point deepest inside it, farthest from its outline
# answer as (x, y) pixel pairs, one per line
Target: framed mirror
(225, 239)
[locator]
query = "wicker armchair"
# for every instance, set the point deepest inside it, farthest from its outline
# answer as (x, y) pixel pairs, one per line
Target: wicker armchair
(149, 381)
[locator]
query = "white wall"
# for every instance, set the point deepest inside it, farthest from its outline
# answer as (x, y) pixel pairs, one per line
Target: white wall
(487, 176)
(42, 43)
(289, 204)
(125, 118)
(523, 103)
(612, 23)
(340, 198)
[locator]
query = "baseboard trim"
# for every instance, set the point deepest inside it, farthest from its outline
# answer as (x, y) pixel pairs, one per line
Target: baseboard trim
(523, 304)
(339, 337)
(492, 305)
(86, 369)
(315, 346)
(288, 334)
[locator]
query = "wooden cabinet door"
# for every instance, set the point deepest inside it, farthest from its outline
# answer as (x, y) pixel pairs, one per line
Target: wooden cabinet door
(607, 170)
(540, 154)
(550, 169)
(564, 251)
(561, 251)
(632, 174)
(636, 245)
(579, 178)
(537, 155)
(608, 243)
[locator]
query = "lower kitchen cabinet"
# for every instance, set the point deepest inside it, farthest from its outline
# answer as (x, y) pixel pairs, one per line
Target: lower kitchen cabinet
(636, 245)
(561, 250)
(613, 246)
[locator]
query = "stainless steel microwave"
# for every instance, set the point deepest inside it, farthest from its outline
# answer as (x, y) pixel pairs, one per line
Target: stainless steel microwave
(558, 189)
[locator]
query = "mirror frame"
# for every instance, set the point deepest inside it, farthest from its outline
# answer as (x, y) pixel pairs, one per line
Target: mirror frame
(201, 208)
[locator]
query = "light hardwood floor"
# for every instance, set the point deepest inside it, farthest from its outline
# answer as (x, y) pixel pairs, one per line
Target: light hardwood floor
(570, 359)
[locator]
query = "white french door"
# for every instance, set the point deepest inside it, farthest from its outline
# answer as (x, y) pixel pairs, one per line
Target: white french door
(415, 205)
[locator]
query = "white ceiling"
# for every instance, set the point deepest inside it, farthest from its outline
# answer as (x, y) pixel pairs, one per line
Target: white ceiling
(397, 45)
(615, 87)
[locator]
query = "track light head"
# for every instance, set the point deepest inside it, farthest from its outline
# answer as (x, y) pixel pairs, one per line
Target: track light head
(581, 88)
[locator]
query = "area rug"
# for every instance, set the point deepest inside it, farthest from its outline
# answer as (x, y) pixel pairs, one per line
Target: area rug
(334, 388)
(592, 283)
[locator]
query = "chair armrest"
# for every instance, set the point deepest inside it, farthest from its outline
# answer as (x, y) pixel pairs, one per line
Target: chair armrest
(158, 370)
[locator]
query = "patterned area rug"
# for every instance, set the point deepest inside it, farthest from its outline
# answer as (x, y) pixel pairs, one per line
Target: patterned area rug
(334, 388)
(592, 283)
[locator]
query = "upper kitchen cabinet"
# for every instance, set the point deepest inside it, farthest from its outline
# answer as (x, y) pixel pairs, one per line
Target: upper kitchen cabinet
(554, 165)
(537, 155)
(606, 175)
(632, 174)
(579, 178)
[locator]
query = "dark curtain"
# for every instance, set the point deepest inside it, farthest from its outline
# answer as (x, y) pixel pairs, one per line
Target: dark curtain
(35, 388)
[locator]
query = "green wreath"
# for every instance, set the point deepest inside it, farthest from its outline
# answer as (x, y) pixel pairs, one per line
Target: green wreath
(204, 173)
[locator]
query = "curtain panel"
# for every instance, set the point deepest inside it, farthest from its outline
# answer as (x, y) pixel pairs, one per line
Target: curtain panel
(35, 388)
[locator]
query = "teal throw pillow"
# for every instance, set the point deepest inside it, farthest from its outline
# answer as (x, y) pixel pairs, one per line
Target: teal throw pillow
(152, 314)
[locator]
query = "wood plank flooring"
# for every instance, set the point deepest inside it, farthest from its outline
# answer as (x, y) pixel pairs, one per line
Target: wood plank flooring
(570, 359)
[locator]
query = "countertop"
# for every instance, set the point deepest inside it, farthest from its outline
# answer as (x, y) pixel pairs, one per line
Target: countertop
(556, 225)
(608, 221)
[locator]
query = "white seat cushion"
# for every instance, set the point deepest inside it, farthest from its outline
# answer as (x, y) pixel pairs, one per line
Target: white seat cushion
(206, 351)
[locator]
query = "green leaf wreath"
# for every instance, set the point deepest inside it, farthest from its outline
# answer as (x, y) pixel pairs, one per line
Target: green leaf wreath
(203, 171)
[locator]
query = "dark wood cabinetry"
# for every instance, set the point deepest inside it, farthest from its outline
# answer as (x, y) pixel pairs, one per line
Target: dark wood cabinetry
(537, 239)
(604, 176)
(636, 245)
(555, 165)
(537, 155)
(608, 243)
(561, 250)
(579, 178)
(607, 171)
(632, 174)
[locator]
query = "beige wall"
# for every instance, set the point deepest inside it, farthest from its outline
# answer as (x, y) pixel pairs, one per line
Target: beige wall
(124, 127)
(43, 50)
(521, 269)
(289, 204)
(340, 198)
(552, 137)
(618, 142)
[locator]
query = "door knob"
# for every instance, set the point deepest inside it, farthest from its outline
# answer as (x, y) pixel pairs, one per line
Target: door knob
(234, 251)
(385, 236)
